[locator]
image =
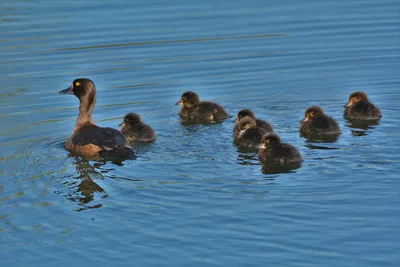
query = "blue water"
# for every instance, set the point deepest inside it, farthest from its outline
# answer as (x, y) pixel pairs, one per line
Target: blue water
(192, 198)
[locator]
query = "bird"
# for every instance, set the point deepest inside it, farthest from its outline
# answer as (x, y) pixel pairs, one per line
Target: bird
(248, 113)
(249, 135)
(317, 123)
(360, 108)
(192, 109)
(88, 139)
(135, 130)
(273, 150)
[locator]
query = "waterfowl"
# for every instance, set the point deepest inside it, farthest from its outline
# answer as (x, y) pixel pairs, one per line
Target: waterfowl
(273, 150)
(135, 131)
(316, 123)
(359, 108)
(249, 135)
(88, 139)
(259, 123)
(192, 109)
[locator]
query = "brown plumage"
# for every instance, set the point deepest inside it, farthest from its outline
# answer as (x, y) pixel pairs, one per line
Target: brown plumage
(359, 108)
(88, 139)
(192, 109)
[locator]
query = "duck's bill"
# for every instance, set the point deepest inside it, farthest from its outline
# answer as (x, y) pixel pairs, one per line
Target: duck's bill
(304, 120)
(262, 146)
(348, 105)
(178, 103)
(67, 91)
(122, 124)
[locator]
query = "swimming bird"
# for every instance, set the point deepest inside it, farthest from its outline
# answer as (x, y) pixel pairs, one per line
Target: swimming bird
(192, 109)
(136, 131)
(316, 123)
(259, 123)
(359, 108)
(249, 135)
(88, 139)
(273, 150)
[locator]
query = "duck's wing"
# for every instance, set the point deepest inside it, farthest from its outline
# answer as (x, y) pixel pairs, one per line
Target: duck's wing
(105, 138)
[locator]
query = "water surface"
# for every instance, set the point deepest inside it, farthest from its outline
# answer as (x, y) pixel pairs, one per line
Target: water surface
(192, 198)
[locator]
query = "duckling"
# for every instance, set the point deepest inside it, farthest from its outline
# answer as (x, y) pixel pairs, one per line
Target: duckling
(249, 134)
(273, 150)
(134, 130)
(359, 108)
(194, 110)
(88, 139)
(259, 123)
(316, 123)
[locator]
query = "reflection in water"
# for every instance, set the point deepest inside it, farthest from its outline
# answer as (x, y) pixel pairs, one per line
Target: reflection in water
(362, 127)
(85, 186)
(275, 168)
(313, 146)
(246, 158)
(331, 138)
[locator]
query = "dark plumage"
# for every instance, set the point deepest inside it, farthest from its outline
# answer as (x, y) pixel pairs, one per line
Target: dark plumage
(194, 110)
(87, 138)
(273, 150)
(316, 123)
(249, 135)
(259, 123)
(359, 108)
(136, 131)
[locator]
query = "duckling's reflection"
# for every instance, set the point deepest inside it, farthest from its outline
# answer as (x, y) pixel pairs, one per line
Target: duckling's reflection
(245, 157)
(361, 127)
(320, 138)
(275, 168)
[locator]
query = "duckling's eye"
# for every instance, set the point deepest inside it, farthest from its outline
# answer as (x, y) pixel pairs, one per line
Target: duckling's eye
(77, 83)
(357, 98)
(312, 114)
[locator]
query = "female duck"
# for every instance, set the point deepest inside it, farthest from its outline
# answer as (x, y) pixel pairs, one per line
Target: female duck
(249, 135)
(194, 110)
(259, 123)
(359, 108)
(88, 139)
(273, 150)
(136, 131)
(316, 123)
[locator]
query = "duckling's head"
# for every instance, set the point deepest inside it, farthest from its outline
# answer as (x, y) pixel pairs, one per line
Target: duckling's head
(245, 113)
(189, 99)
(313, 112)
(356, 97)
(131, 119)
(245, 124)
(82, 88)
(270, 139)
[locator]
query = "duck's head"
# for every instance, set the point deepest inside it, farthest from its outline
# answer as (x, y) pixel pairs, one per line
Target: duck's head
(356, 97)
(313, 112)
(245, 113)
(245, 124)
(270, 139)
(131, 119)
(82, 88)
(188, 100)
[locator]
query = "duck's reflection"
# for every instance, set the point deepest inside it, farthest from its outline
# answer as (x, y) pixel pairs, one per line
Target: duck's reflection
(275, 168)
(361, 128)
(86, 188)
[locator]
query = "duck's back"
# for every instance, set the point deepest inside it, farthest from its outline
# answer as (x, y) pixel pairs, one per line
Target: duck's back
(284, 153)
(251, 138)
(210, 111)
(320, 125)
(264, 125)
(363, 111)
(139, 133)
(91, 139)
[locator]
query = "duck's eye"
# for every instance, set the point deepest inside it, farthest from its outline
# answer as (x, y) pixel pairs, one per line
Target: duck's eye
(357, 98)
(77, 83)
(312, 114)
